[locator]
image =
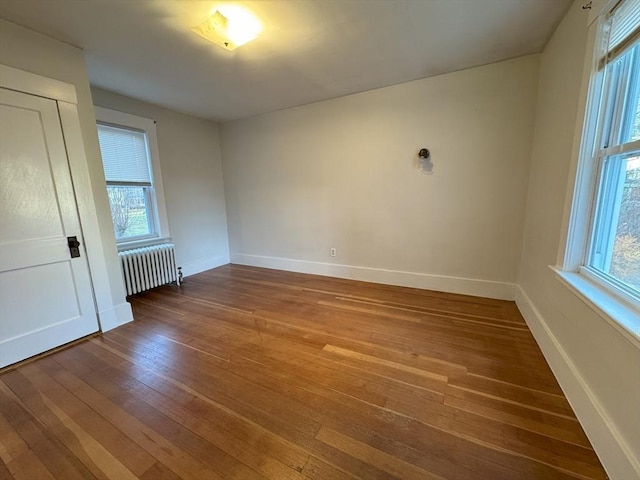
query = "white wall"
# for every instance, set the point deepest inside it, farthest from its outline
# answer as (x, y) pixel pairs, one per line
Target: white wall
(30, 51)
(192, 179)
(343, 173)
(597, 366)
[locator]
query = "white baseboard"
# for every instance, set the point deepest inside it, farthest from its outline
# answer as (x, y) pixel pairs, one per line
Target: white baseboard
(202, 264)
(115, 316)
(615, 455)
(465, 286)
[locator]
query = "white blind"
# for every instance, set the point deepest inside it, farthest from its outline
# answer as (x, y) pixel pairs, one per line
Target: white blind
(626, 19)
(124, 155)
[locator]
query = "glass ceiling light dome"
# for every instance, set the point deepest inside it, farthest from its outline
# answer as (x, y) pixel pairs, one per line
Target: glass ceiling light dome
(230, 26)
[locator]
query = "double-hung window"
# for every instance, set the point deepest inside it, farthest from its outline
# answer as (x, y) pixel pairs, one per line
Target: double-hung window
(604, 233)
(128, 148)
(614, 251)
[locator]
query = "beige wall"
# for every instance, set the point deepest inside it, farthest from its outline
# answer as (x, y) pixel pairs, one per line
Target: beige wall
(342, 173)
(192, 179)
(27, 50)
(605, 361)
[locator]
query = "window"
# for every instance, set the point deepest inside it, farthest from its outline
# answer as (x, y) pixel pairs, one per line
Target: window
(604, 231)
(128, 146)
(615, 243)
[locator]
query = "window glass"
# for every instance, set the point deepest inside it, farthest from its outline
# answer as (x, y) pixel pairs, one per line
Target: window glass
(129, 211)
(616, 249)
(625, 263)
(635, 112)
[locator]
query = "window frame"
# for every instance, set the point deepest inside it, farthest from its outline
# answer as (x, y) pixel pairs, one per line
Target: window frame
(154, 193)
(615, 302)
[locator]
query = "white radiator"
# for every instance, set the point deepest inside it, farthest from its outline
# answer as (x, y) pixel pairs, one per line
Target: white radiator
(148, 267)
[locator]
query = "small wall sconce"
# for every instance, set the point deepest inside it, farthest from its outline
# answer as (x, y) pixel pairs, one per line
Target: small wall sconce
(424, 159)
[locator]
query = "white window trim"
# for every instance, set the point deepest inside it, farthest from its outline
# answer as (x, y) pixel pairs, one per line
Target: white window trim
(619, 310)
(113, 117)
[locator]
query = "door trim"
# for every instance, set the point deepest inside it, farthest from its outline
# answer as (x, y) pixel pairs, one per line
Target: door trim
(27, 82)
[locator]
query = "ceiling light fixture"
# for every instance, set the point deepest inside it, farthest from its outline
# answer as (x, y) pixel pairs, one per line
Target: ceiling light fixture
(229, 27)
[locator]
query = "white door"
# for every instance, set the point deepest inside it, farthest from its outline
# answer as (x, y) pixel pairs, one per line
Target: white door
(46, 296)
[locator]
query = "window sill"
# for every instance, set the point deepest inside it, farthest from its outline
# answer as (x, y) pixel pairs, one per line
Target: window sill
(621, 315)
(147, 242)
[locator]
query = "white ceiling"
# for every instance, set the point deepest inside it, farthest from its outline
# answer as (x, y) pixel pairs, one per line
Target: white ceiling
(309, 50)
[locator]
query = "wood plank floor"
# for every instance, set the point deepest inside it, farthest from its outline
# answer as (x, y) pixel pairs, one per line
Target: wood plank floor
(247, 373)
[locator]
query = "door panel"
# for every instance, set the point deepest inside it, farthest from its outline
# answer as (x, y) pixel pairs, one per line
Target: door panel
(30, 209)
(45, 296)
(58, 298)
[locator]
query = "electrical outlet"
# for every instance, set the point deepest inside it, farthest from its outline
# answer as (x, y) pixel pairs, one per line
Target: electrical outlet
(333, 252)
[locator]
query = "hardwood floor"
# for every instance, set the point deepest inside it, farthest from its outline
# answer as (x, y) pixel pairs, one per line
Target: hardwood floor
(247, 373)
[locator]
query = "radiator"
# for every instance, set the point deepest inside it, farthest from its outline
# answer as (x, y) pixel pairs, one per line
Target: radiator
(149, 267)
